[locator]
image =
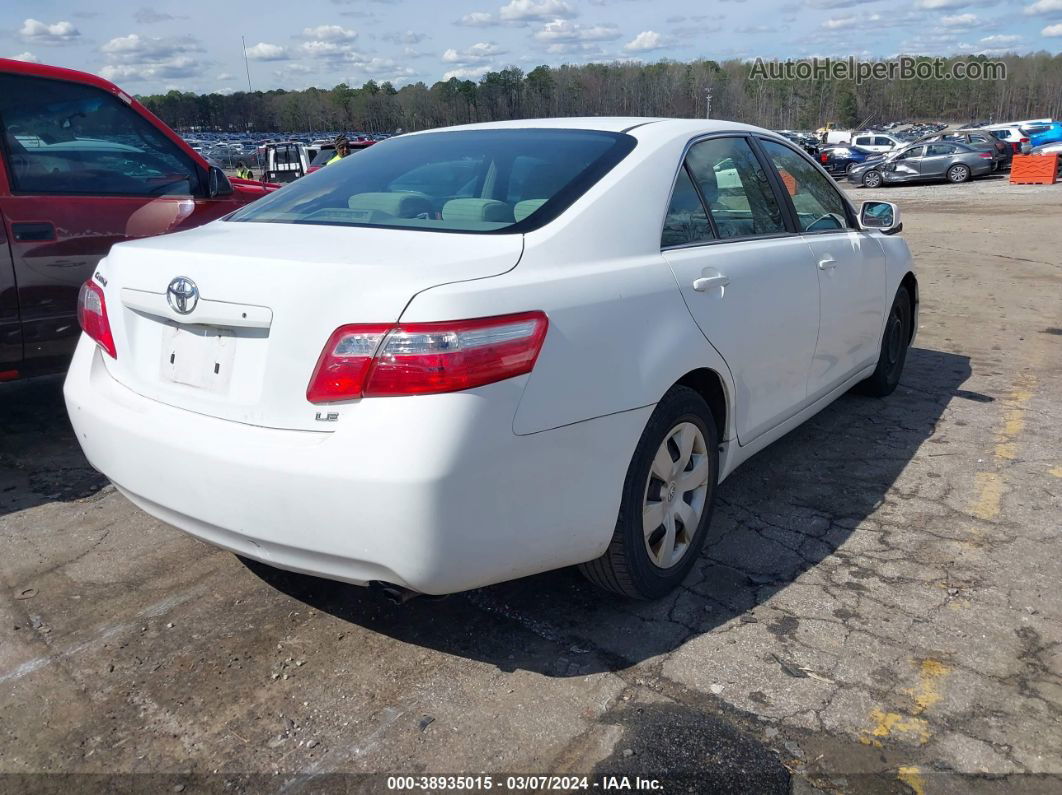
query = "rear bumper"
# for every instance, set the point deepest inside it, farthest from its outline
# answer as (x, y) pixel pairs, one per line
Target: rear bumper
(434, 493)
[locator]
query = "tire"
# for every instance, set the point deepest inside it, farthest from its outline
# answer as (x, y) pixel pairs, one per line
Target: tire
(848, 168)
(894, 344)
(640, 564)
(958, 173)
(872, 179)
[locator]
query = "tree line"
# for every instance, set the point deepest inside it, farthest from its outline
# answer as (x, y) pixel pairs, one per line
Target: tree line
(1032, 88)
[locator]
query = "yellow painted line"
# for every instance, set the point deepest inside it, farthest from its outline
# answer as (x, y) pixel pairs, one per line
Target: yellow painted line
(912, 777)
(1014, 419)
(989, 487)
(1055, 472)
(909, 725)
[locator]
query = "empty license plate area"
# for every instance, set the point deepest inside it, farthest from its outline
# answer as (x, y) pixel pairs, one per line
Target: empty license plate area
(198, 356)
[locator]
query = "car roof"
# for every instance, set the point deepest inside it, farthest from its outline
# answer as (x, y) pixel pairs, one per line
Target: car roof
(650, 129)
(9, 65)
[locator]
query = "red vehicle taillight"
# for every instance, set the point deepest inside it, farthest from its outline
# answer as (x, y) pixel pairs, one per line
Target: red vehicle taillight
(985, 155)
(422, 358)
(92, 316)
(824, 157)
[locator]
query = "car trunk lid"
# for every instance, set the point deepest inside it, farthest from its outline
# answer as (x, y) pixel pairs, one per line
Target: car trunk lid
(229, 320)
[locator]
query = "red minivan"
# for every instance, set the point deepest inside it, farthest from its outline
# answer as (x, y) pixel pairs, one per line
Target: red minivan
(83, 165)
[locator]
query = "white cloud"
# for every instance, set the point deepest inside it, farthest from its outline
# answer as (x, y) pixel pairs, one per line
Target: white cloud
(225, 76)
(960, 21)
(263, 51)
(935, 4)
(181, 67)
(1051, 31)
(467, 72)
(1045, 7)
(840, 23)
(330, 33)
(37, 32)
(1000, 38)
(564, 31)
(477, 19)
(535, 10)
(645, 41)
(28, 57)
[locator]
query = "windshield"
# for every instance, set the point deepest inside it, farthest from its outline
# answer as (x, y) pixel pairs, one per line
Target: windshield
(458, 181)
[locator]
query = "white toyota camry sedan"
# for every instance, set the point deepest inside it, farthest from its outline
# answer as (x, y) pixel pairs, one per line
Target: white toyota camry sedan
(468, 355)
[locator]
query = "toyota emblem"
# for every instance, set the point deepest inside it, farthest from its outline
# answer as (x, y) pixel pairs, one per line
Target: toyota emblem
(182, 295)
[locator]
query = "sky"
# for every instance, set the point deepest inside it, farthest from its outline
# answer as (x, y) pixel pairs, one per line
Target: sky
(195, 45)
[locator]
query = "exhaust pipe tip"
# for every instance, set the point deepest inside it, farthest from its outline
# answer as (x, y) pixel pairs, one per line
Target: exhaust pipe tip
(396, 594)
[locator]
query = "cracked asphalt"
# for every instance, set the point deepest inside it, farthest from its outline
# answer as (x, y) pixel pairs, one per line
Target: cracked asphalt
(881, 611)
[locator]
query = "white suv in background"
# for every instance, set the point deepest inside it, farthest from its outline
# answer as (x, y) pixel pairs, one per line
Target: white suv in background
(876, 142)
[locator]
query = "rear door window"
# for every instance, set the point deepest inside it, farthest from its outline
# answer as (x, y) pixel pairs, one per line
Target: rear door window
(881, 141)
(735, 188)
(941, 149)
(73, 139)
(686, 220)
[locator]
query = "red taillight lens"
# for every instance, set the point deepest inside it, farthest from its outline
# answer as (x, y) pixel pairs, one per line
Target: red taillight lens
(422, 358)
(985, 155)
(92, 316)
(824, 157)
(1025, 140)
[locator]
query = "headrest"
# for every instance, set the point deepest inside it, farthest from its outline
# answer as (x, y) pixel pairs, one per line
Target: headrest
(477, 210)
(401, 205)
(526, 207)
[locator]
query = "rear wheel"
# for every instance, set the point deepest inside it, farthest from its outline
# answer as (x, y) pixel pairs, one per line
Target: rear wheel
(894, 345)
(872, 179)
(958, 173)
(667, 501)
(849, 167)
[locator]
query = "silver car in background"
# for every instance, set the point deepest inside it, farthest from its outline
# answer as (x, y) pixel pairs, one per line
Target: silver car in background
(944, 160)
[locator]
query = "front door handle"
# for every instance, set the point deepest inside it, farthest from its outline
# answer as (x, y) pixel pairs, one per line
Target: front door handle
(708, 282)
(827, 263)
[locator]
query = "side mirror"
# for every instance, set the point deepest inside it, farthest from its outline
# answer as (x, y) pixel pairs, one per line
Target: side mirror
(882, 216)
(217, 183)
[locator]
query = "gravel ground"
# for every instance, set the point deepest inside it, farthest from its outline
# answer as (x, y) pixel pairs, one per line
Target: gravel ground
(881, 614)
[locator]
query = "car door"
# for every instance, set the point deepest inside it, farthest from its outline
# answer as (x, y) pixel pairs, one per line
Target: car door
(905, 166)
(747, 278)
(85, 171)
(936, 161)
(850, 265)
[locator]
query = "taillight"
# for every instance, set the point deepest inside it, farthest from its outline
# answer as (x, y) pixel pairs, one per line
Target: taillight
(985, 155)
(92, 316)
(1025, 140)
(422, 358)
(824, 157)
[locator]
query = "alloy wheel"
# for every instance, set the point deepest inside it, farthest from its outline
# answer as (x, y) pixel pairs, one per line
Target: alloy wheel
(675, 494)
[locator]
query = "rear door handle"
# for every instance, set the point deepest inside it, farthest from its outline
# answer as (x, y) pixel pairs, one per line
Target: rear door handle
(33, 232)
(708, 282)
(827, 263)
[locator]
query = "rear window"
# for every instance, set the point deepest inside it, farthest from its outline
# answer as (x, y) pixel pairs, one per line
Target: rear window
(460, 181)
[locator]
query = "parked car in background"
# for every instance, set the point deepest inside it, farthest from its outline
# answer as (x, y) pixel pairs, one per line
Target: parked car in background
(839, 160)
(393, 378)
(943, 160)
(1012, 135)
(876, 142)
(1044, 133)
(982, 140)
(83, 166)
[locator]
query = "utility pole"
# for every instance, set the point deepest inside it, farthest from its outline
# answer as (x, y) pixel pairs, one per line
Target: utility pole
(246, 65)
(707, 103)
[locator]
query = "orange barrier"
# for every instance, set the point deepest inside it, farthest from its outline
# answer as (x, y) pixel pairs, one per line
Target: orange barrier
(1034, 169)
